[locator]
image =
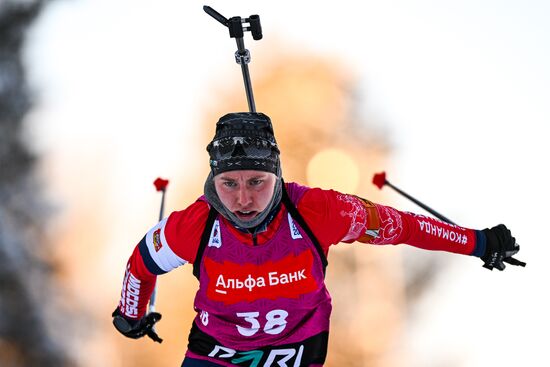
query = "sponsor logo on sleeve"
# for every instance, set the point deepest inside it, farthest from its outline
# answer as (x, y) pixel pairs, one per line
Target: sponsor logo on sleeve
(130, 294)
(157, 243)
(452, 234)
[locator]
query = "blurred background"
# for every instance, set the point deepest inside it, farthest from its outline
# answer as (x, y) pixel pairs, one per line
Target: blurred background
(98, 98)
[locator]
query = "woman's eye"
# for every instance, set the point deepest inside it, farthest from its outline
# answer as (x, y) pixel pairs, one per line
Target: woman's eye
(256, 182)
(229, 184)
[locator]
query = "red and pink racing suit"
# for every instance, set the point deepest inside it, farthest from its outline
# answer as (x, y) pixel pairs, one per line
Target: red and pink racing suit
(262, 298)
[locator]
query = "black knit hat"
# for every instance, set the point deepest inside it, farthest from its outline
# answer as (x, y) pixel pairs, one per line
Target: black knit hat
(244, 141)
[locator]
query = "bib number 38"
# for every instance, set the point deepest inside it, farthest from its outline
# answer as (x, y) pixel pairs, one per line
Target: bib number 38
(275, 322)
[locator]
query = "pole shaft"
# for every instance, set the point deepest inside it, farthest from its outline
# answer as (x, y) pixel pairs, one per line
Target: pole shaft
(248, 87)
(153, 298)
(161, 214)
(246, 74)
(420, 204)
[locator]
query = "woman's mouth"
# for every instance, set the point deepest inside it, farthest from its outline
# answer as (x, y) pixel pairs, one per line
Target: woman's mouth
(246, 215)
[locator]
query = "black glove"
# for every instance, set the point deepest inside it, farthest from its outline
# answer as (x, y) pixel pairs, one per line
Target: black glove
(137, 328)
(500, 247)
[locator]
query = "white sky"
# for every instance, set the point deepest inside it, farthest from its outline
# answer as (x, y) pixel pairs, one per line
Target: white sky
(463, 87)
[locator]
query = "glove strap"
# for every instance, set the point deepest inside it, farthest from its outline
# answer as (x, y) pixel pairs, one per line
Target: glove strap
(153, 335)
(516, 262)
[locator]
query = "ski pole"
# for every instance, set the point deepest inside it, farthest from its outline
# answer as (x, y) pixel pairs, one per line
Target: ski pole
(379, 180)
(160, 185)
(237, 26)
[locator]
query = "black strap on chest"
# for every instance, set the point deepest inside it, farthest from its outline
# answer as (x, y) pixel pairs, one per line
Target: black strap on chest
(212, 214)
(294, 213)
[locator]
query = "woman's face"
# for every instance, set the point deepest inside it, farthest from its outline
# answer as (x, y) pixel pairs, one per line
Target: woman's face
(245, 193)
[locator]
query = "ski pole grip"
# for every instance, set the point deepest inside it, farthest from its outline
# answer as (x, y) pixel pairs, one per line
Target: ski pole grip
(214, 14)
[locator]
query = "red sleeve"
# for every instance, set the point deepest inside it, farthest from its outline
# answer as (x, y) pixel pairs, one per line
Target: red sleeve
(172, 242)
(184, 230)
(423, 232)
(330, 215)
(335, 217)
(137, 286)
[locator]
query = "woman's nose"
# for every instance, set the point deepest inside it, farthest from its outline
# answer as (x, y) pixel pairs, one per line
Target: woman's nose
(244, 197)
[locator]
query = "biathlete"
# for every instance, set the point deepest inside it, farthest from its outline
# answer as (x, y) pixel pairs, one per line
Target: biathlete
(259, 248)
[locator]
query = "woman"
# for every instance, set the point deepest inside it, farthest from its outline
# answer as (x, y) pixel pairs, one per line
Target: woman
(259, 248)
